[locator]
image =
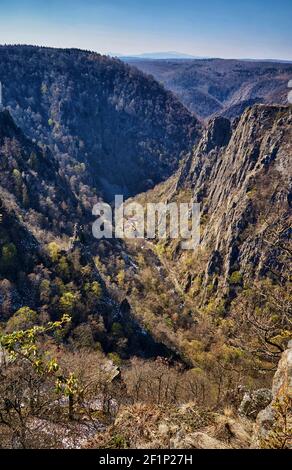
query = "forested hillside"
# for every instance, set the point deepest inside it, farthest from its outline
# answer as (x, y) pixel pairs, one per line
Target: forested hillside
(109, 125)
(101, 340)
(209, 87)
(46, 263)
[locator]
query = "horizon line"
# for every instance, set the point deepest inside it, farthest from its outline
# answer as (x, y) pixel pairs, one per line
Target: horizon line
(138, 55)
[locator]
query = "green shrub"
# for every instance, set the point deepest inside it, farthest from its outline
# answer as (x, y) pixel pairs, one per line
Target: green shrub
(117, 329)
(235, 278)
(8, 259)
(115, 358)
(23, 319)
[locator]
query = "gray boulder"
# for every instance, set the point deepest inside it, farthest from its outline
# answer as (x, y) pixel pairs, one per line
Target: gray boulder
(254, 401)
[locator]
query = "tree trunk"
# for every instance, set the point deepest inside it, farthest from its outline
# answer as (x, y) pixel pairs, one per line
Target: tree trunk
(71, 407)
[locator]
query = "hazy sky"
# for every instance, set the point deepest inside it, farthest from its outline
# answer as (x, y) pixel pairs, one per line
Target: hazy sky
(217, 28)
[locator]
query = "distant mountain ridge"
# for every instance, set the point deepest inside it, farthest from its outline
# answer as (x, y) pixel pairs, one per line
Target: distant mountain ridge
(160, 55)
(182, 56)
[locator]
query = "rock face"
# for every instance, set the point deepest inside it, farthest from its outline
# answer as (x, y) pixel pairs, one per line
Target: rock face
(242, 178)
(253, 402)
(283, 378)
(218, 134)
(198, 440)
(273, 426)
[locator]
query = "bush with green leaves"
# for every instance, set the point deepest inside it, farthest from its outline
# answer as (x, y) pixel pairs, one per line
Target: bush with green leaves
(8, 258)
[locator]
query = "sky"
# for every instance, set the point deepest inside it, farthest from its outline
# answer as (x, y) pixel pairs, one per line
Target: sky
(259, 29)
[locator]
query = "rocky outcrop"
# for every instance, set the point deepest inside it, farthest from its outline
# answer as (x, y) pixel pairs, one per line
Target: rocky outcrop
(273, 426)
(218, 134)
(253, 402)
(190, 427)
(174, 427)
(243, 182)
(198, 166)
(197, 440)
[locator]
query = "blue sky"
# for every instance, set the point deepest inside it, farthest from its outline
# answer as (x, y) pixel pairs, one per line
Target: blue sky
(217, 28)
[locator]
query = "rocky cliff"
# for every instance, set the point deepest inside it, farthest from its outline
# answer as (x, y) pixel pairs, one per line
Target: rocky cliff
(241, 176)
(234, 288)
(273, 428)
